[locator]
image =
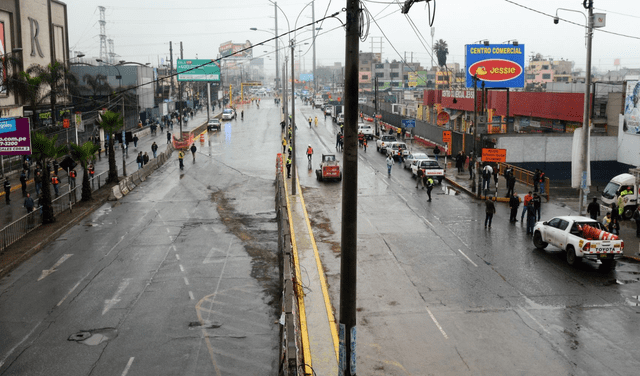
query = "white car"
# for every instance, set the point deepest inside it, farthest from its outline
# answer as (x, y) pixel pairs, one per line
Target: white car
(393, 149)
(430, 167)
(414, 157)
(228, 114)
(366, 130)
(340, 119)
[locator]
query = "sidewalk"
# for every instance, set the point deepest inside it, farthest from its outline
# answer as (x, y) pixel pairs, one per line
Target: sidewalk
(319, 318)
(14, 211)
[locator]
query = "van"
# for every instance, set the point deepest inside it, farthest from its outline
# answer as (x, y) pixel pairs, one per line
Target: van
(619, 183)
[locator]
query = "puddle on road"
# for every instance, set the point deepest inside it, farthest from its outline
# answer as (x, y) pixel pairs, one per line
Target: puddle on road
(94, 337)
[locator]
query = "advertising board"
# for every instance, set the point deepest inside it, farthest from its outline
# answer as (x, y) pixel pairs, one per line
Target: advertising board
(15, 136)
(207, 70)
(494, 155)
(497, 65)
(631, 123)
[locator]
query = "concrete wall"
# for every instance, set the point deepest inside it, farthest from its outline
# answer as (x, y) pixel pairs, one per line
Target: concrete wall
(553, 148)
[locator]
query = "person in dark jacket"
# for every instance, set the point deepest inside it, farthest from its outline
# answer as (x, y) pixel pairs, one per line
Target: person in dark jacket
(531, 217)
(636, 217)
(23, 182)
(7, 190)
(28, 203)
(537, 203)
(460, 162)
(514, 203)
(490, 210)
(594, 209)
(511, 185)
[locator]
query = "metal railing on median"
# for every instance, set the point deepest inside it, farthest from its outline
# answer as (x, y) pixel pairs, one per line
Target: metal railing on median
(525, 177)
(24, 225)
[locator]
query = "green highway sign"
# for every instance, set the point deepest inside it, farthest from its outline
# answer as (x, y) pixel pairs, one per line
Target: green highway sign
(207, 70)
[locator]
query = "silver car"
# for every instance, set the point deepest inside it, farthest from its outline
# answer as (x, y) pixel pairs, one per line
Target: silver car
(413, 157)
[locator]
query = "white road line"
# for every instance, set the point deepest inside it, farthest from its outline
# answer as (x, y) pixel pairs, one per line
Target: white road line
(167, 230)
(402, 197)
(426, 220)
(181, 268)
(126, 369)
(69, 293)
(46, 272)
(467, 257)
(191, 295)
(108, 304)
(178, 257)
(19, 343)
(534, 319)
(436, 322)
(174, 248)
(114, 247)
(186, 281)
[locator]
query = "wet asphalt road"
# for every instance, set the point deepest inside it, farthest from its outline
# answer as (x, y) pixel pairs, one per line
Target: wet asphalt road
(178, 278)
(440, 295)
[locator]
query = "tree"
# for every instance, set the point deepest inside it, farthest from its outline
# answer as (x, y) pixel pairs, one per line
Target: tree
(44, 150)
(111, 122)
(442, 50)
(52, 76)
(83, 154)
(97, 84)
(23, 84)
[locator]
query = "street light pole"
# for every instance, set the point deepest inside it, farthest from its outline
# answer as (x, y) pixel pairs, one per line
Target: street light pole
(585, 157)
(313, 34)
(293, 119)
(275, 10)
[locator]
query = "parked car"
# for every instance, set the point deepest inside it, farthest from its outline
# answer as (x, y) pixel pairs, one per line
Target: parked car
(228, 114)
(213, 124)
(340, 119)
(414, 157)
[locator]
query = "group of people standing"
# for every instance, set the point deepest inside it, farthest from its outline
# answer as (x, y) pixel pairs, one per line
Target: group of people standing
(611, 220)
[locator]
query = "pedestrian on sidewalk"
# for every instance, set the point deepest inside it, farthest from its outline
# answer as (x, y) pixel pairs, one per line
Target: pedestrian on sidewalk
(139, 160)
(531, 218)
(23, 182)
(38, 182)
(525, 207)
(594, 209)
(436, 152)
(288, 167)
(364, 144)
(390, 163)
(181, 159)
(193, 151)
(472, 165)
(490, 210)
(429, 187)
(28, 203)
(7, 190)
(26, 166)
(55, 181)
(145, 159)
(542, 182)
(614, 227)
(537, 202)
(420, 174)
(536, 180)
(495, 179)
(154, 149)
(56, 166)
(135, 140)
(487, 171)
(511, 185)
(168, 137)
(636, 217)
(72, 178)
(459, 162)
(606, 220)
(514, 203)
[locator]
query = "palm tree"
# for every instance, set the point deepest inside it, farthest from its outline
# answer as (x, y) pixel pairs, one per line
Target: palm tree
(52, 76)
(442, 50)
(97, 84)
(44, 150)
(23, 84)
(111, 122)
(83, 154)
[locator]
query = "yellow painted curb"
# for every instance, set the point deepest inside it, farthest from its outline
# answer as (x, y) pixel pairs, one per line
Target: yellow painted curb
(323, 281)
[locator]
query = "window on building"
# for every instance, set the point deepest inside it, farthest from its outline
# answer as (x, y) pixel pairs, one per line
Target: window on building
(365, 76)
(405, 77)
(545, 67)
(546, 76)
(395, 75)
(394, 65)
(379, 75)
(531, 76)
(379, 66)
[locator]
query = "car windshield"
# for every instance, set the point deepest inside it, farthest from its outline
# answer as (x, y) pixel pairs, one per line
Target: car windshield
(430, 164)
(228, 111)
(611, 190)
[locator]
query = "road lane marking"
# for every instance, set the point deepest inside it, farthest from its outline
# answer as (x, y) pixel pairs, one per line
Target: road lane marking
(212, 251)
(115, 245)
(46, 272)
(436, 322)
(467, 257)
(426, 220)
(186, 281)
(191, 295)
(69, 293)
(108, 304)
(178, 257)
(403, 199)
(19, 343)
(534, 320)
(174, 247)
(126, 369)
(181, 268)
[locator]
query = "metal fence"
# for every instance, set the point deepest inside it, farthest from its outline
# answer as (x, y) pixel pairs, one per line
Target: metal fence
(24, 225)
(525, 177)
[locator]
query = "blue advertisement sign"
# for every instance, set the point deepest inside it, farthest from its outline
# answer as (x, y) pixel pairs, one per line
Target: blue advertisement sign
(497, 65)
(306, 77)
(409, 123)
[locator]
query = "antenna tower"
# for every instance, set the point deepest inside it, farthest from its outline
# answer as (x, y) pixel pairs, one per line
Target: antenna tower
(103, 35)
(112, 55)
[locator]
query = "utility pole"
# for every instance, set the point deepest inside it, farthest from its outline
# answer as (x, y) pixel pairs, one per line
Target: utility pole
(585, 157)
(171, 68)
(124, 139)
(433, 32)
(313, 34)
(180, 96)
(285, 102)
(349, 236)
(375, 104)
(293, 120)
(275, 8)
(475, 123)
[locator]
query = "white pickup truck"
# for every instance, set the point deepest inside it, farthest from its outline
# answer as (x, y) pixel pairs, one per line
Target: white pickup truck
(381, 143)
(430, 167)
(579, 237)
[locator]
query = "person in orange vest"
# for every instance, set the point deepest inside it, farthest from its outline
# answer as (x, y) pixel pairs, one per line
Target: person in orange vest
(527, 198)
(309, 152)
(55, 181)
(91, 170)
(360, 138)
(72, 178)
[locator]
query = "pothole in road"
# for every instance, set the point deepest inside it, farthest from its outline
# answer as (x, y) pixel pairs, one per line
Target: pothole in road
(204, 325)
(94, 337)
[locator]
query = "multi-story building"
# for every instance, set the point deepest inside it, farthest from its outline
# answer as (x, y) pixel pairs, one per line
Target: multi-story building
(542, 71)
(366, 61)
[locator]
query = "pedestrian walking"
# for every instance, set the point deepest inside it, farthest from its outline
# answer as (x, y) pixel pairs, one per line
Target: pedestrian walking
(419, 176)
(471, 165)
(193, 151)
(55, 182)
(181, 159)
(316, 121)
(542, 183)
(154, 149)
(23, 182)
(242, 115)
(135, 140)
(487, 172)
(38, 182)
(168, 137)
(337, 140)
(364, 144)
(284, 145)
(490, 210)
(7, 190)
(72, 178)
(288, 167)
(56, 166)
(527, 198)
(139, 160)
(145, 159)
(459, 162)
(614, 227)
(594, 209)
(536, 180)
(636, 217)
(28, 203)
(537, 202)
(390, 163)
(514, 203)
(310, 120)
(511, 185)
(26, 166)
(360, 139)
(429, 187)
(436, 152)
(531, 218)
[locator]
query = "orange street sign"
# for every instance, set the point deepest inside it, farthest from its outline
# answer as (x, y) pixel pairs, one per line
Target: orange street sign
(66, 123)
(446, 136)
(494, 155)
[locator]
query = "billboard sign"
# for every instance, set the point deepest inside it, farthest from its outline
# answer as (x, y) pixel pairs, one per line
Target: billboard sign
(15, 136)
(198, 70)
(494, 155)
(631, 124)
(497, 65)
(231, 50)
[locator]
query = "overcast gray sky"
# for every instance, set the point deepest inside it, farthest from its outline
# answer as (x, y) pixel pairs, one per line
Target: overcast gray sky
(141, 30)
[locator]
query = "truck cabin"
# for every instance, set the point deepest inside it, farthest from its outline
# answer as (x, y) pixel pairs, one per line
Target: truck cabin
(328, 158)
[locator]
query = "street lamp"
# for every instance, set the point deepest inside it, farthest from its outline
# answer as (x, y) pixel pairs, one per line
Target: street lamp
(124, 126)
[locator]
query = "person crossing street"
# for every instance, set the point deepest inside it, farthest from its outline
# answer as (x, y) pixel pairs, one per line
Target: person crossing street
(429, 187)
(390, 163)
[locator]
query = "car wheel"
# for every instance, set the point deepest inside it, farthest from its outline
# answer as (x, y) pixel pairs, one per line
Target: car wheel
(340, 178)
(571, 256)
(628, 212)
(607, 265)
(538, 242)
